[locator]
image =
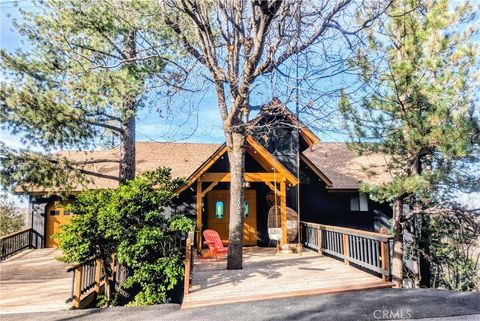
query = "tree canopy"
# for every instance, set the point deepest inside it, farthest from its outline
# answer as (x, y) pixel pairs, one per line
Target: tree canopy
(420, 76)
(85, 70)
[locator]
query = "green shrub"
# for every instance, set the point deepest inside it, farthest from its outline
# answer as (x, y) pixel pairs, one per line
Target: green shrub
(130, 221)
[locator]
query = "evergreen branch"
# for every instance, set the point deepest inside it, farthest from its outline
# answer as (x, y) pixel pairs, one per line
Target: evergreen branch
(103, 125)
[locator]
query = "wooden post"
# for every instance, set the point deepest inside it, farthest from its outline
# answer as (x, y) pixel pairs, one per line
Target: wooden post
(98, 275)
(283, 210)
(188, 256)
(77, 287)
(345, 249)
(319, 241)
(112, 266)
(384, 254)
(199, 216)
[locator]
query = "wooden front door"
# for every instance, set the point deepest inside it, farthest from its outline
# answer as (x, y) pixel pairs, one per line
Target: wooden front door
(221, 224)
(56, 217)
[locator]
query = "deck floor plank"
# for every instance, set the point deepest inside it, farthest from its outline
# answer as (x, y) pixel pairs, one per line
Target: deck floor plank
(266, 276)
(34, 281)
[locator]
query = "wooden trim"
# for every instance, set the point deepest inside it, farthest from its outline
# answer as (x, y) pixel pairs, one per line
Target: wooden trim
(98, 275)
(384, 254)
(283, 211)
(345, 249)
(249, 177)
(209, 188)
(262, 156)
(319, 241)
(188, 256)
(309, 136)
(77, 289)
(199, 216)
(350, 231)
(315, 169)
(15, 233)
(353, 246)
(273, 188)
(267, 157)
(287, 294)
(204, 167)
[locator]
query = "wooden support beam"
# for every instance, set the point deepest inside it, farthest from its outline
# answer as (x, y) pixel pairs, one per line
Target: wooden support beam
(267, 160)
(384, 254)
(209, 188)
(188, 255)
(345, 249)
(273, 188)
(98, 275)
(77, 287)
(249, 177)
(199, 216)
(319, 241)
(283, 210)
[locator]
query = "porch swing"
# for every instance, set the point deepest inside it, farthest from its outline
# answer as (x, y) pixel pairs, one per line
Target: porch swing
(274, 229)
(274, 219)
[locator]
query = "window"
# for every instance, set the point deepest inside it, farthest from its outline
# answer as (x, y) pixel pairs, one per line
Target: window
(54, 213)
(67, 213)
(283, 140)
(359, 202)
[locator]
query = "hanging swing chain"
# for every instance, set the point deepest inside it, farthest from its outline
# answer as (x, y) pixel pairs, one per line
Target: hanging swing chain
(275, 193)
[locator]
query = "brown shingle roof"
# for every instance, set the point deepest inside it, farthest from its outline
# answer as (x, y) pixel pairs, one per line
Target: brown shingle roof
(342, 166)
(345, 168)
(182, 158)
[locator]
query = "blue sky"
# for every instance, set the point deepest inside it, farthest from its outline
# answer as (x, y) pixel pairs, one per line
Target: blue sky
(192, 117)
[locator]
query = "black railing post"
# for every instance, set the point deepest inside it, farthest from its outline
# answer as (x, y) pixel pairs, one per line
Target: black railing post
(30, 241)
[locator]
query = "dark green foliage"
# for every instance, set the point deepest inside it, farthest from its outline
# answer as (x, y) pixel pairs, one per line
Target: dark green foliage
(455, 252)
(130, 222)
(419, 95)
(69, 87)
(11, 219)
(418, 105)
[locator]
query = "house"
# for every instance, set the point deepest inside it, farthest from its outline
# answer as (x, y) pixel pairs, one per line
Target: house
(318, 180)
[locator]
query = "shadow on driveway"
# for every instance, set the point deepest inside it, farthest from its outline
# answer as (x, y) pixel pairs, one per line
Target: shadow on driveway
(386, 304)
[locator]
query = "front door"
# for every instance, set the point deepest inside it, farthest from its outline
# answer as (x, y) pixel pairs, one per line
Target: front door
(221, 224)
(56, 217)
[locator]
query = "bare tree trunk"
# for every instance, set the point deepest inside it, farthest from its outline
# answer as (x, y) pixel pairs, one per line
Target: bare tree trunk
(397, 261)
(127, 136)
(236, 155)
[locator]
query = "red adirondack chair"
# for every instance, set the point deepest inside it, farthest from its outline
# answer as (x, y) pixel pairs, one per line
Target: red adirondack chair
(215, 245)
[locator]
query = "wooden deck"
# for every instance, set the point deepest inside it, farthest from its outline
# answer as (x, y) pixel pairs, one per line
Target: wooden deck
(33, 281)
(267, 276)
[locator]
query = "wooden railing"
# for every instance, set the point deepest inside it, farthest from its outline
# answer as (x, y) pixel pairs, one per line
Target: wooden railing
(188, 265)
(89, 279)
(368, 250)
(18, 241)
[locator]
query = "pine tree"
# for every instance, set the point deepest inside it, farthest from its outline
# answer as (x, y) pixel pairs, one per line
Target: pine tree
(419, 76)
(84, 73)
